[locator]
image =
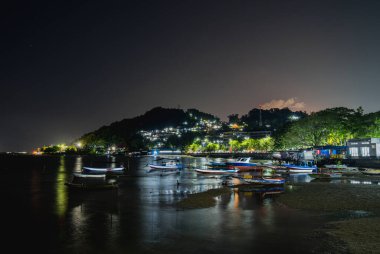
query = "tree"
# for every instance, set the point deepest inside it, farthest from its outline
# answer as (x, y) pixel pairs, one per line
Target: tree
(233, 118)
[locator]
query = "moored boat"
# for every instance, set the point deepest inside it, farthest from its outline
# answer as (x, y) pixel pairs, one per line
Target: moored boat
(243, 164)
(372, 172)
(169, 165)
(302, 167)
(103, 170)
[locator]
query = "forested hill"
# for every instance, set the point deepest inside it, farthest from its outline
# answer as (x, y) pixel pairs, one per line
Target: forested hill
(123, 133)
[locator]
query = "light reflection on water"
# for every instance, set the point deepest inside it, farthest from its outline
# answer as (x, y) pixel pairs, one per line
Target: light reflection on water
(141, 217)
(61, 190)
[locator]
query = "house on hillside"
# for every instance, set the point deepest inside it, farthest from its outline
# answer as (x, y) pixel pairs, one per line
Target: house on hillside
(364, 148)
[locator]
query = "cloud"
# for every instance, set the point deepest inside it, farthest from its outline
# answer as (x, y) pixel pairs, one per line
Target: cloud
(289, 103)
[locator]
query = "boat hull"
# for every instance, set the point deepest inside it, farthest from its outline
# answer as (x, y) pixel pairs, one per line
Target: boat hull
(103, 170)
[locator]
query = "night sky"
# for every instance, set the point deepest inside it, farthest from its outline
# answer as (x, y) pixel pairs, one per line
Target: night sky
(69, 67)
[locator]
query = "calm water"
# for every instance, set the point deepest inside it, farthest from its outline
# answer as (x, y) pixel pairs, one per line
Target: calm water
(40, 214)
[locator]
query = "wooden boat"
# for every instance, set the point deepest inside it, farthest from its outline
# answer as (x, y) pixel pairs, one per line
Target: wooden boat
(88, 186)
(216, 171)
(171, 165)
(103, 170)
(89, 175)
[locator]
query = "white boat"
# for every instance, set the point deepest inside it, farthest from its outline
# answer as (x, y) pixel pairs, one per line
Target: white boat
(89, 175)
(371, 171)
(166, 165)
(302, 167)
(102, 170)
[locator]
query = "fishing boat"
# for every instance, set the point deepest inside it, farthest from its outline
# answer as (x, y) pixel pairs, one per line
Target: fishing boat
(169, 165)
(217, 171)
(243, 164)
(102, 170)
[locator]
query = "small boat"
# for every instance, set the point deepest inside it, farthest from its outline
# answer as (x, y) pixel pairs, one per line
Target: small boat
(103, 170)
(81, 175)
(371, 172)
(242, 163)
(217, 171)
(263, 180)
(171, 164)
(302, 167)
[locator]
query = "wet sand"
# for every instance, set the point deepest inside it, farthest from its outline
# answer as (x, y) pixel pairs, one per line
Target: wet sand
(352, 212)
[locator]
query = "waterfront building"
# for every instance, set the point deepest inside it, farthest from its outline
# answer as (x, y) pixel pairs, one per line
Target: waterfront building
(364, 148)
(330, 152)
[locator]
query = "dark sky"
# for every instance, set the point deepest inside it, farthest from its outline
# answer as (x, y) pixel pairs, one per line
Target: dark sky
(69, 67)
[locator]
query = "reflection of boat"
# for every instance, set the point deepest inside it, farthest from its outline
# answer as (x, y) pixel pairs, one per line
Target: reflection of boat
(216, 171)
(325, 175)
(92, 186)
(266, 189)
(102, 170)
(162, 172)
